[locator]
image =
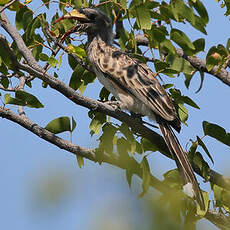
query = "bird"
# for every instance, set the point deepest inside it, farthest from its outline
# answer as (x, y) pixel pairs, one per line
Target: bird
(135, 87)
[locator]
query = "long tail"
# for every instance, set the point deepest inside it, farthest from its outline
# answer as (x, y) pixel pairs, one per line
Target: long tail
(182, 162)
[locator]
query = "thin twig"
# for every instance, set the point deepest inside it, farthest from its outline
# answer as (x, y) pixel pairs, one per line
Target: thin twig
(9, 89)
(7, 5)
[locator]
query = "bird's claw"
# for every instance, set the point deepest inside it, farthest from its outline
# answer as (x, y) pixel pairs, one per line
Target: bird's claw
(114, 104)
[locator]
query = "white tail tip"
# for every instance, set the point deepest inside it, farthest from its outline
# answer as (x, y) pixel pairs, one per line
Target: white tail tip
(188, 190)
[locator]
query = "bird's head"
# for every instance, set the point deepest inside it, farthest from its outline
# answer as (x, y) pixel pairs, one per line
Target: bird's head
(92, 21)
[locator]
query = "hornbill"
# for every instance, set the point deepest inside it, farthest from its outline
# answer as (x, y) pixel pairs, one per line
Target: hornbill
(135, 87)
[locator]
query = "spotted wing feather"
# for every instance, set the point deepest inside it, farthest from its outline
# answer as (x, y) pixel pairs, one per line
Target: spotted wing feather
(135, 78)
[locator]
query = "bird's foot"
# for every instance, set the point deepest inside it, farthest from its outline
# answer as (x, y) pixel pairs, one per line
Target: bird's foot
(114, 104)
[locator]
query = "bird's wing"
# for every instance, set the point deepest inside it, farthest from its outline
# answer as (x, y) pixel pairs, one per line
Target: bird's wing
(137, 79)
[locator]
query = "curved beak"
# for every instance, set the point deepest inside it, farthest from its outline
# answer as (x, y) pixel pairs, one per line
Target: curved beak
(74, 14)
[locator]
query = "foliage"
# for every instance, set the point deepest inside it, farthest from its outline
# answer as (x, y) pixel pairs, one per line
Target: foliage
(159, 21)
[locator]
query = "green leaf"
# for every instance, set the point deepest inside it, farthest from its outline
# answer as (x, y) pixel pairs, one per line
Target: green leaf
(124, 37)
(179, 64)
(107, 137)
(201, 81)
(43, 57)
(72, 62)
(167, 46)
(184, 11)
(217, 192)
(73, 124)
(222, 51)
(59, 125)
(199, 45)
(181, 39)
(167, 86)
(80, 161)
(179, 101)
(23, 18)
(216, 132)
(5, 58)
(81, 78)
(188, 78)
(23, 98)
(215, 56)
(97, 122)
(36, 51)
(75, 80)
(143, 17)
(29, 99)
(201, 143)
(80, 52)
(30, 29)
(133, 146)
(130, 142)
(199, 211)
(135, 3)
(211, 62)
(123, 4)
(167, 11)
(13, 101)
(122, 147)
(172, 178)
(3, 2)
(187, 100)
(27, 18)
(147, 145)
(55, 75)
(202, 164)
(52, 61)
(228, 45)
(77, 4)
(200, 8)
(146, 176)
(193, 148)
(5, 82)
(80, 82)
(199, 25)
(158, 33)
(183, 113)
(59, 61)
(88, 77)
(18, 18)
(104, 94)
(160, 65)
(124, 128)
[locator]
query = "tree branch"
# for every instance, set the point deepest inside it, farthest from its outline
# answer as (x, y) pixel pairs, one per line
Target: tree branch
(196, 62)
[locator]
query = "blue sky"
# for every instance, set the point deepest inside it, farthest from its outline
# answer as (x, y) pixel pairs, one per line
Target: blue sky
(31, 169)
